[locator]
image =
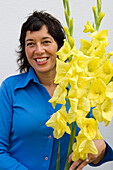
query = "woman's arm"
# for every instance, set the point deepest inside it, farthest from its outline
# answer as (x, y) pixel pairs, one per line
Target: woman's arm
(6, 161)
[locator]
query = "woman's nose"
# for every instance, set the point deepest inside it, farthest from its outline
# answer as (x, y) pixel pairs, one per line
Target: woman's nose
(39, 49)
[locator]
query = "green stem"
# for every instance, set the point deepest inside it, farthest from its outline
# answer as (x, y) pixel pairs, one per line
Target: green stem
(72, 140)
(58, 157)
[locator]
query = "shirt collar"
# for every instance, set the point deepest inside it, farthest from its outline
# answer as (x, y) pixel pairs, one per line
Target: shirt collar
(26, 79)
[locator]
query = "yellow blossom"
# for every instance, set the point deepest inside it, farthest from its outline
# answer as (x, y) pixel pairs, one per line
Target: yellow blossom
(78, 93)
(109, 90)
(105, 72)
(72, 114)
(58, 122)
(97, 113)
(92, 66)
(94, 11)
(89, 128)
(83, 60)
(107, 111)
(65, 51)
(58, 96)
(94, 45)
(104, 112)
(83, 105)
(97, 90)
(101, 16)
(100, 51)
(101, 36)
(78, 86)
(83, 147)
(62, 72)
(78, 108)
(88, 28)
(85, 45)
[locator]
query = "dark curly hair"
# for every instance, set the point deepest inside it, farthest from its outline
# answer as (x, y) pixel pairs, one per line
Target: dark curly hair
(34, 23)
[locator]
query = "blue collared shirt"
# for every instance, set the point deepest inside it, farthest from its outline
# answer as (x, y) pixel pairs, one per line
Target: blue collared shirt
(25, 141)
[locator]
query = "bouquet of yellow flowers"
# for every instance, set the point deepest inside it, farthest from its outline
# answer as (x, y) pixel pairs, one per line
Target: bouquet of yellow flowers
(84, 79)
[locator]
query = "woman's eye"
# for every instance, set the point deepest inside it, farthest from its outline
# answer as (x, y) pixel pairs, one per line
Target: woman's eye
(46, 42)
(30, 44)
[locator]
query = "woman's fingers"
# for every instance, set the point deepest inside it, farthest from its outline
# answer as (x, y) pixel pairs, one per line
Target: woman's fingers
(75, 164)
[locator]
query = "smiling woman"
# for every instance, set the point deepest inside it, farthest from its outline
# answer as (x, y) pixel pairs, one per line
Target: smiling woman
(25, 141)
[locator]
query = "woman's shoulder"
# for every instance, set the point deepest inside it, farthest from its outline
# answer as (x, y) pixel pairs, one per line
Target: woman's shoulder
(15, 78)
(11, 81)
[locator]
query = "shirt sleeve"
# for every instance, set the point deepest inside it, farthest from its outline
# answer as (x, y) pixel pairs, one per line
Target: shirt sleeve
(6, 161)
(108, 156)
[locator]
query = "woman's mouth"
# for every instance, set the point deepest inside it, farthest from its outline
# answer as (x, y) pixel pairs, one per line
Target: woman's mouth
(41, 60)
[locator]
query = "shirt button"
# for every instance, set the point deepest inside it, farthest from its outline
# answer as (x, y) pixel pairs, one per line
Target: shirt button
(49, 136)
(46, 158)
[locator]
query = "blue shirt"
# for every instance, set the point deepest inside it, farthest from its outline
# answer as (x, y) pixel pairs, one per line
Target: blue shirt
(25, 141)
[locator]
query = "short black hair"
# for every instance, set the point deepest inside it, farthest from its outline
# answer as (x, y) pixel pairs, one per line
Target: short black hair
(34, 23)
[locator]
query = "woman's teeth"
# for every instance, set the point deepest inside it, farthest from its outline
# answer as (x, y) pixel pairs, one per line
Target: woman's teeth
(41, 59)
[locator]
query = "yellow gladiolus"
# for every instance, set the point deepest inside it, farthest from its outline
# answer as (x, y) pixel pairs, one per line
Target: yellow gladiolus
(104, 112)
(107, 111)
(109, 90)
(85, 45)
(100, 52)
(58, 122)
(58, 96)
(89, 128)
(105, 72)
(82, 59)
(101, 16)
(78, 108)
(88, 28)
(83, 147)
(97, 90)
(97, 113)
(63, 72)
(101, 36)
(92, 66)
(65, 51)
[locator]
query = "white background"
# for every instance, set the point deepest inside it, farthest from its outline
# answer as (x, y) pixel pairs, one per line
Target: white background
(13, 13)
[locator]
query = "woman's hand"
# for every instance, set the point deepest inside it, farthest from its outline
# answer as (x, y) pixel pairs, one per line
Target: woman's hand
(95, 159)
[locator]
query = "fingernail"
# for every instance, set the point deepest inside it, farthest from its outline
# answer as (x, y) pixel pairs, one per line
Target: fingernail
(70, 169)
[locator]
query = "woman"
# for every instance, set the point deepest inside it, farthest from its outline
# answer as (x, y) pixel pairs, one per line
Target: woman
(25, 141)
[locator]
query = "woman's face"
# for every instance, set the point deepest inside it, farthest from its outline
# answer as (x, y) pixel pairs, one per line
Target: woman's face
(41, 48)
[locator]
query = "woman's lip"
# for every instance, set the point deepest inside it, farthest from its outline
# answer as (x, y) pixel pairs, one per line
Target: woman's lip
(41, 60)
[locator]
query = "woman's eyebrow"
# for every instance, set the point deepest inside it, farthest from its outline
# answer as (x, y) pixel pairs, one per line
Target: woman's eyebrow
(47, 38)
(42, 39)
(28, 40)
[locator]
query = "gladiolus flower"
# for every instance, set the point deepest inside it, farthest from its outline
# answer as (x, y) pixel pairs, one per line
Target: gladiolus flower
(109, 90)
(101, 36)
(105, 72)
(85, 45)
(63, 73)
(89, 128)
(104, 112)
(65, 51)
(58, 96)
(58, 122)
(97, 90)
(88, 28)
(83, 147)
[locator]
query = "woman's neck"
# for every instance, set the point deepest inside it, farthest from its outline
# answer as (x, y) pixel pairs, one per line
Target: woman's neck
(47, 80)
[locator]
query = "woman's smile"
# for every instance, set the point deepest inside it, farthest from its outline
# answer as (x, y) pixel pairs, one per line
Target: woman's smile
(41, 60)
